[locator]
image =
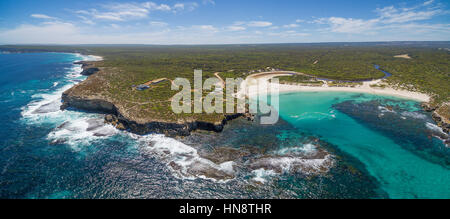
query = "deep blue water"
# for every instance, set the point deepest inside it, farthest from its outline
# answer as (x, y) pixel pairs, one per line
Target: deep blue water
(48, 153)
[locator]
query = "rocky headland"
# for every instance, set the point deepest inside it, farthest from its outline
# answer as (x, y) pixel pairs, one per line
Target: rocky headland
(97, 94)
(91, 95)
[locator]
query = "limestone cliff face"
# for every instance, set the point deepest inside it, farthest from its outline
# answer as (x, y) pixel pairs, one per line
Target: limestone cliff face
(167, 128)
(87, 104)
(116, 118)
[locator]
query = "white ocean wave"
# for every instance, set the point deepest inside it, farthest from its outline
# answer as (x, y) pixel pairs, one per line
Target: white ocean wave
(435, 128)
(291, 160)
(73, 125)
(81, 131)
(290, 164)
(385, 109)
(306, 149)
(415, 115)
(184, 160)
(262, 175)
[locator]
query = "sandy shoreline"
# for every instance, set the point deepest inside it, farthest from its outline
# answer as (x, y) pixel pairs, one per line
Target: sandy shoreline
(91, 58)
(251, 81)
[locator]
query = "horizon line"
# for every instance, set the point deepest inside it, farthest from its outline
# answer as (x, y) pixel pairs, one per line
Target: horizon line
(218, 44)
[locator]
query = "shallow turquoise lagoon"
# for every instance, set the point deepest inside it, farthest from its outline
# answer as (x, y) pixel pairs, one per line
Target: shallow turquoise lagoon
(401, 171)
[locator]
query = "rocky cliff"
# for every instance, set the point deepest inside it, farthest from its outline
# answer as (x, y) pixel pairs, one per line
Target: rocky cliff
(116, 118)
(88, 68)
(440, 114)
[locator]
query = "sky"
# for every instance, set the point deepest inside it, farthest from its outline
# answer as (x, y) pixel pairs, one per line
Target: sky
(221, 21)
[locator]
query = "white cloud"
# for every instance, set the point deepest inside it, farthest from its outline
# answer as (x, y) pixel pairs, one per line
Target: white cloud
(41, 16)
(132, 11)
(393, 15)
(239, 23)
(86, 20)
(190, 6)
(428, 2)
(290, 25)
(259, 24)
(156, 7)
(205, 28)
(289, 34)
(350, 25)
(388, 23)
(158, 24)
(115, 26)
(117, 12)
(179, 6)
(48, 32)
(68, 33)
(387, 17)
(236, 28)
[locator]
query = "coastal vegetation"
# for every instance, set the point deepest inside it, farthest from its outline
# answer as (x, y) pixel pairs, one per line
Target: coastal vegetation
(126, 66)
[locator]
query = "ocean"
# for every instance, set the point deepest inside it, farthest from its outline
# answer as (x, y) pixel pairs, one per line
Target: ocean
(326, 145)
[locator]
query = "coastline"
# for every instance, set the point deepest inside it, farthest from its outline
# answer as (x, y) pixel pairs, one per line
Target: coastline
(420, 97)
(249, 89)
(365, 88)
(217, 168)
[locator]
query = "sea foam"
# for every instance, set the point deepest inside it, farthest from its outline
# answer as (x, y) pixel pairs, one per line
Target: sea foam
(184, 160)
(71, 127)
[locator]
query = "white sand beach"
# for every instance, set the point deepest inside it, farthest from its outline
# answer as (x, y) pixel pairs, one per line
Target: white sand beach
(264, 77)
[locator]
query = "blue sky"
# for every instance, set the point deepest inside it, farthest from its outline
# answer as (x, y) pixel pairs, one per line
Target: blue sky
(221, 21)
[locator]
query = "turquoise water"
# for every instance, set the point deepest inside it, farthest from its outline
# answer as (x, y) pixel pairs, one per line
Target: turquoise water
(402, 173)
